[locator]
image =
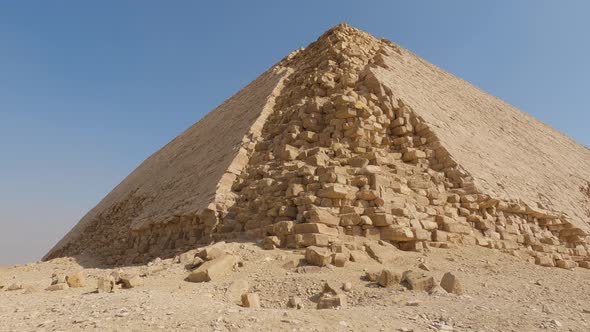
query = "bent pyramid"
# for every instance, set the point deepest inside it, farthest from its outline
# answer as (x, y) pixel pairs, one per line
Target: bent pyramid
(348, 139)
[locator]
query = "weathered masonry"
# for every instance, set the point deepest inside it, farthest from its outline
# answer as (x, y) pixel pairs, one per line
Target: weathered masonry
(347, 139)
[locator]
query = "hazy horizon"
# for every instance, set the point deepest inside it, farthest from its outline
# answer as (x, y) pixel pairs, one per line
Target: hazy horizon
(90, 90)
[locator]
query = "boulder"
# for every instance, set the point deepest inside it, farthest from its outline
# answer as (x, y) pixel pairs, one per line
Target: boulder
(75, 280)
(213, 269)
(318, 256)
(450, 282)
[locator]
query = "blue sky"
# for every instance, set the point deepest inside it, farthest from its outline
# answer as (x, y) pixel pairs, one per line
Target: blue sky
(88, 90)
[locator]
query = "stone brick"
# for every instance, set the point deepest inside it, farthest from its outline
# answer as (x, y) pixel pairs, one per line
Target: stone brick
(213, 269)
(318, 256)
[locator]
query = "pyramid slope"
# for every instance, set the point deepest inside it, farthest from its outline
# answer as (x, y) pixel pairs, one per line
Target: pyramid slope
(510, 154)
(184, 177)
(349, 139)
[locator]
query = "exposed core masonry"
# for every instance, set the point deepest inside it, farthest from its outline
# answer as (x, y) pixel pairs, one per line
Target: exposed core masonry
(352, 138)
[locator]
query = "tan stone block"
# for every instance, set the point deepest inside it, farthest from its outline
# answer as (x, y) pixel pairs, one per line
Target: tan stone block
(76, 280)
(329, 301)
(318, 256)
(284, 227)
(545, 261)
(418, 281)
(450, 282)
(339, 259)
(389, 278)
(306, 228)
(334, 191)
(350, 219)
(322, 216)
(306, 240)
(566, 264)
(213, 269)
(381, 219)
(396, 233)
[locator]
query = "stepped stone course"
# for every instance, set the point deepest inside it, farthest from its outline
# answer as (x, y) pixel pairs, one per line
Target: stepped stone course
(352, 138)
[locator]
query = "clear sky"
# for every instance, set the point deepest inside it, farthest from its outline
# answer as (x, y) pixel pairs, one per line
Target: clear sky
(88, 90)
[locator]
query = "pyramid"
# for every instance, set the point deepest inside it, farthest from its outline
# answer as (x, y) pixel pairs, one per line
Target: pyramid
(352, 139)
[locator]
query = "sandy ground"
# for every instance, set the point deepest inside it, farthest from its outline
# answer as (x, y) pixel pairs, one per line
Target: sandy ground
(502, 293)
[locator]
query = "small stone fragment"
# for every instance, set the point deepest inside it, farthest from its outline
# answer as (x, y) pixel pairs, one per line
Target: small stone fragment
(57, 287)
(250, 300)
(14, 287)
(424, 267)
(347, 286)
(295, 302)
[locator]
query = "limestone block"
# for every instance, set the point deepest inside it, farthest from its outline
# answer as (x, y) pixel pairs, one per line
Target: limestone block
(397, 233)
(314, 228)
(329, 301)
(75, 280)
(318, 256)
(213, 269)
(450, 282)
(306, 240)
(334, 191)
(566, 264)
(381, 219)
(418, 281)
(322, 216)
(389, 278)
